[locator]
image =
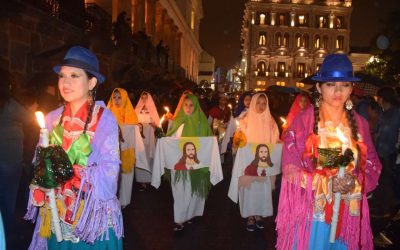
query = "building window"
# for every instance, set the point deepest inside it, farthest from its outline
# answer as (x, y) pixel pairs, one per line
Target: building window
(278, 39)
(298, 40)
(281, 69)
(325, 42)
(317, 67)
(260, 83)
(262, 18)
(192, 20)
(305, 41)
(339, 22)
(262, 39)
(340, 42)
(286, 40)
(282, 19)
(301, 20)
(317, 42)
(300, 70)
(322, 22)
(261, 69)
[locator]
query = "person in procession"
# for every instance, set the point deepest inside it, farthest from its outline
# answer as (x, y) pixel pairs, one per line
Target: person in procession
(121, 106)
(300, 103)
(148, 116)
(243, 105)
(253, 187)
(88, 208)
(190, 121)
(313, 145)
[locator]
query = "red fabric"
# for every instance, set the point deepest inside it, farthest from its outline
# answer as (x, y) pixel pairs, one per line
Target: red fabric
(218, 113)
(180, 166)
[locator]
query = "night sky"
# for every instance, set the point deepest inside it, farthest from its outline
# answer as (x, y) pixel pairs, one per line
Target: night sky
(221, 25)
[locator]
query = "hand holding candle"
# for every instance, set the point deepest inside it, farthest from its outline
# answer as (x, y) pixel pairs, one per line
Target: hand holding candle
(342, 161)
(44, 142)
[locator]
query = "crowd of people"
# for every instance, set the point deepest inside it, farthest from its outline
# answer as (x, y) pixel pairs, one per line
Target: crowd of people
(335, 154)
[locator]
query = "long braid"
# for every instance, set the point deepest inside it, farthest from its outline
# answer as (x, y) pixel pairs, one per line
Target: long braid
(62, 116)
(353, 124)
(316, 116)
(91, 108)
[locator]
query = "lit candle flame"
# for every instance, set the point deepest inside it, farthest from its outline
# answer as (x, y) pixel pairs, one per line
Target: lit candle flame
(40, 119)
(230, 106)
(162, 120)
(283, 120)
(166, 109)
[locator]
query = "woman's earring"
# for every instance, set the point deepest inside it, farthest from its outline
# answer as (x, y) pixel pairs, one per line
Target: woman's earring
(349, 104)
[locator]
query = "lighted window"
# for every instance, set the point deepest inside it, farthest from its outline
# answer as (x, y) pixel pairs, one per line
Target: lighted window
(280, 83)
(262, 39)
(298, 41)
(317, 67)
(340, 42)
(317, 42)
(301, 20)
(286, 40)
(261, 69)
(262, 18)
(339, 22)
(278, 39)
(192, 20)
(281, 69)
(321, 22)
(260, 83)
(300, 69)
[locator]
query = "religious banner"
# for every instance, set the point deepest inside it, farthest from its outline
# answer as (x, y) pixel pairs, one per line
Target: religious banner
(252, 162)
(195, 155)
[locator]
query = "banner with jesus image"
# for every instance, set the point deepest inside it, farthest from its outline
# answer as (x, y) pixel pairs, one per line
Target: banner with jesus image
(253, 178)
(187, 154)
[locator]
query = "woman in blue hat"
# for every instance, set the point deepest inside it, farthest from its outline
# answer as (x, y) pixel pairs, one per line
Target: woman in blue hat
(312, 143)
(88, 208)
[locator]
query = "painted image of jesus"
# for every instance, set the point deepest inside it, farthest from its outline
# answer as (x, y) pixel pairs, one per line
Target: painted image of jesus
(189, 159)
(260, 164)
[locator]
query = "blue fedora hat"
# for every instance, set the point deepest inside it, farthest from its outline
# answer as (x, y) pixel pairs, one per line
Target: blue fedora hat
(336, 68)
(82, 58)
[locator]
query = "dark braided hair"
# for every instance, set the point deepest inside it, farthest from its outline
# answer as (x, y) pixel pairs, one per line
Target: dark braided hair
(91, 104)
(353, 124)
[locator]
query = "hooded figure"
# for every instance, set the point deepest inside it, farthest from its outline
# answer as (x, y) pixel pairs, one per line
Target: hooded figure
(190, 121)
(300, 103)
(149, 118)
(249, 184)
(130, 141)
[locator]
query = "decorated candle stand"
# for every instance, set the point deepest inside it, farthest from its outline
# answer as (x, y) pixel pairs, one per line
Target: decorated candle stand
(333, 158)
(52, 168)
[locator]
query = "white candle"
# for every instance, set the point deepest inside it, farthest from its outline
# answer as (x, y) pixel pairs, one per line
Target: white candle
(44, 142)
(337, 195)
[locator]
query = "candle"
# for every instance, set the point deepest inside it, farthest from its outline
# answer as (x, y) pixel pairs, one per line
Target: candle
(44, 133)
(337, 195)
(283, 120)
(44, 142)
(238, 125)
(166, 109)
(161, 121)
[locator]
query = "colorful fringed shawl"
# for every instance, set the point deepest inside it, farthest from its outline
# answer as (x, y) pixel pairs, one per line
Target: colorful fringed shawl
(97, 182)
(296, 202)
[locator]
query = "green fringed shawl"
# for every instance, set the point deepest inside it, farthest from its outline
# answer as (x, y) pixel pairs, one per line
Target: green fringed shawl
(199, 179)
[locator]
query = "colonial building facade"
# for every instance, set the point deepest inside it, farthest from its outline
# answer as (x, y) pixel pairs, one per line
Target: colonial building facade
(284, 41)
(174, 22)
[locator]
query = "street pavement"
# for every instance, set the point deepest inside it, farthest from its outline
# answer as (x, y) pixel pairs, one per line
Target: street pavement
(148, 223)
